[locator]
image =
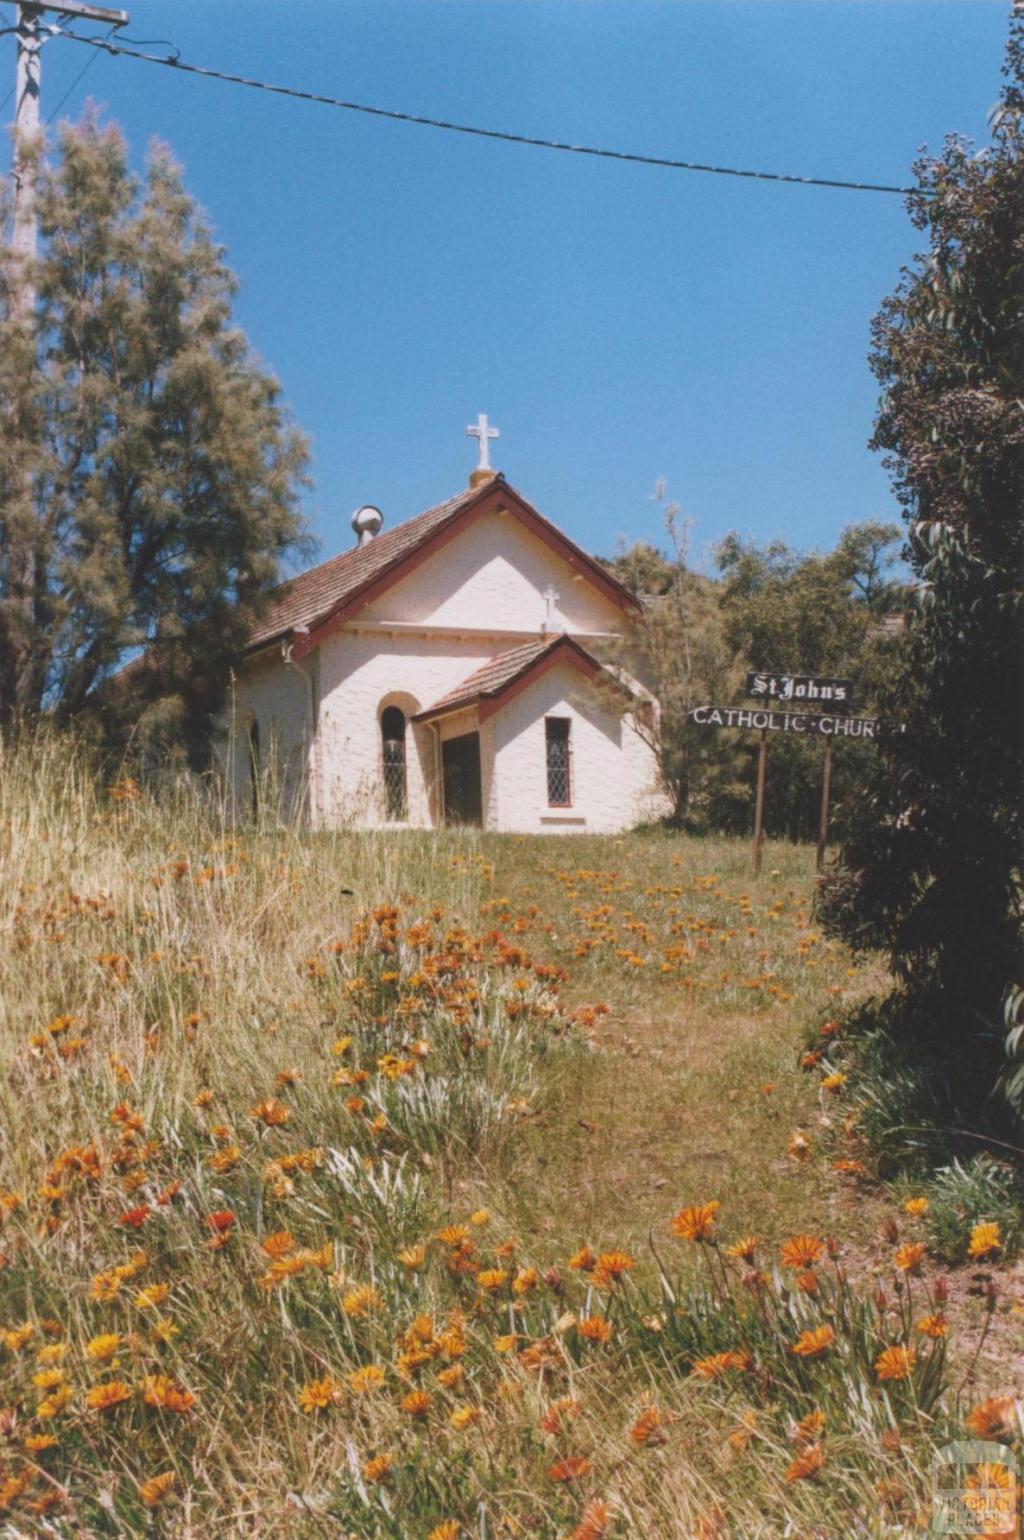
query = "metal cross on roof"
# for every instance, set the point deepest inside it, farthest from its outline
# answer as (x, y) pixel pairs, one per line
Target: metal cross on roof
(483, 434)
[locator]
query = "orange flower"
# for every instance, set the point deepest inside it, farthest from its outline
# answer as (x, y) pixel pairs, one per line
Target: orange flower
(808, 1463)
(413, 1258)
(583, 1261)
(896, 1363)
(595, 1329)
(159, 1390)
(801, 1251)
(270, 1112)
(933, 1325)
(135, 1218)
(984, 1240)
(416, 1403)
(908, 1258)
(593, 1523)
(573, 1468)
(809, 1428)
(610, 1268)
(379, 1468)
(559, 1413)
(464, 1416)
(157, 1488)
(647, 1428)
(716, 1365)
(102, 1397)
(995, 1418)
(799, 1146)
(696, 1223)
(492, 1278)
(279, 1244)
(450, 1529)
(453, 1235)
(810, 1344)
(916, 1206)
(744, 1248)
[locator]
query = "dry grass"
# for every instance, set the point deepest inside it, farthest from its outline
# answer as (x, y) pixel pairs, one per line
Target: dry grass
(580, 1037)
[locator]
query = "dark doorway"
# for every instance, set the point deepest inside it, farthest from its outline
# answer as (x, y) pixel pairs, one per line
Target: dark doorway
(460, 763)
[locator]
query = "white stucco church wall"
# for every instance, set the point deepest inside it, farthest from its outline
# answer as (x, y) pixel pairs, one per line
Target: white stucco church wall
(472, 627)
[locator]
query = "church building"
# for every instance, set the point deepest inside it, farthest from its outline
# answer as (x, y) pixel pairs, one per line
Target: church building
(449, 671)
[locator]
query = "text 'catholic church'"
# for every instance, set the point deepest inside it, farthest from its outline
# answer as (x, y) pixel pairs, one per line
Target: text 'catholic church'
(444, 672)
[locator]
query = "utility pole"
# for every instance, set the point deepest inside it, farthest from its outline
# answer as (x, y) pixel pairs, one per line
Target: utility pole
(28, 134)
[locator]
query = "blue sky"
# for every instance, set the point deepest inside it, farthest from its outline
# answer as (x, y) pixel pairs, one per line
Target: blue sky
(618, 323)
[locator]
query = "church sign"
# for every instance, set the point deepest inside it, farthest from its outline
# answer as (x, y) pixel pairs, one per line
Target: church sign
(800, 689)
(791, 691)
(785, 721)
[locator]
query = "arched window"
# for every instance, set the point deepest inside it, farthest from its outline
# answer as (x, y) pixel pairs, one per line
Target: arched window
(392, 732)
(255, 768)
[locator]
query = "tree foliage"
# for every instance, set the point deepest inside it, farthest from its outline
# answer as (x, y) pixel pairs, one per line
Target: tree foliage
(148, 472)
(932, 870)
(812, 614)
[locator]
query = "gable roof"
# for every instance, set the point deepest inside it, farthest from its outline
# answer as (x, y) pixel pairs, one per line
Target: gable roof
(507, 674)
(316, 602)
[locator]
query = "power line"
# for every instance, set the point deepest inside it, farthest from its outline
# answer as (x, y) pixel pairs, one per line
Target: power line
(77, 80)
(665, 162)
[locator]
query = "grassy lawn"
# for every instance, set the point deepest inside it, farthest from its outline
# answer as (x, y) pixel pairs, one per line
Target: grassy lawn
(365, 1185)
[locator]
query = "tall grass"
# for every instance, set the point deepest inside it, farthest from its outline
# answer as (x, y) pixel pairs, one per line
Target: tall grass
(249, 1081)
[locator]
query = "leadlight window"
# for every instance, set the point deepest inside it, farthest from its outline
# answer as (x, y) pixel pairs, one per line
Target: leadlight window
(392, 731)
(556, 744)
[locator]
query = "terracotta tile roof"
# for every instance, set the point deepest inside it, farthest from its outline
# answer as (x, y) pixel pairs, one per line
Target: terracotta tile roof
(494, 676)
(311, 596)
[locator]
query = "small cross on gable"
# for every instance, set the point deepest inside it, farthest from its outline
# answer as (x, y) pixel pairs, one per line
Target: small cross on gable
(551, 598)
(483, 434)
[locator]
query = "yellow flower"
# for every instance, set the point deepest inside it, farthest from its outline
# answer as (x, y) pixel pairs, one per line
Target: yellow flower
(156, 1488)
(744, 1248)
(35, 1443)
(318, 1394)
(481, 1216)
(833, 1082)
(164, 1330)
(492, 1278)
(359, 1302)
(896, 1363)
(371, 1377)
(984, 1240)
(525, 1279)
(148, 1299)
(450, 1529)
(464, 1416)
(15, 1338)
(916, 1206)
(413, 1258)
(54, 1353)
(53, 1404)
(103, 1347)
(48, 1379)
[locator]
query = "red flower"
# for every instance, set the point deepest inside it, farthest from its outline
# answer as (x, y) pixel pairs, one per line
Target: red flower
(135, 1218)
(222, 1220)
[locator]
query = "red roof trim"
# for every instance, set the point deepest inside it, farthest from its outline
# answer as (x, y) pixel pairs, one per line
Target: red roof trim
(488, 702)
(495, 496)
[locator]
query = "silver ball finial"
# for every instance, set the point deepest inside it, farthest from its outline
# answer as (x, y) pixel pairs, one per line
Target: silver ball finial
(366, 522)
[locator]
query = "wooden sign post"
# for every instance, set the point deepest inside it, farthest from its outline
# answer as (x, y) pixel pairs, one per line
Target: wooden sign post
(762, 756)
(826, 787)
(785, 710)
